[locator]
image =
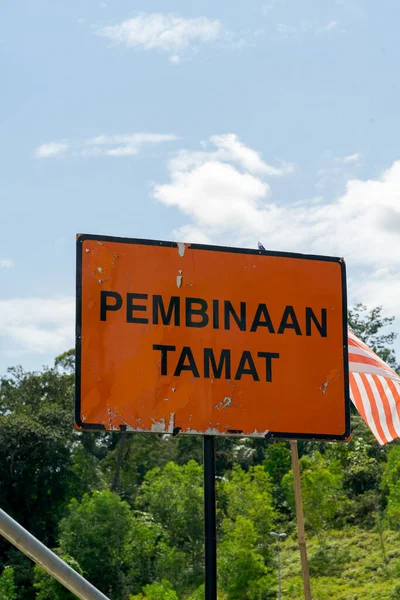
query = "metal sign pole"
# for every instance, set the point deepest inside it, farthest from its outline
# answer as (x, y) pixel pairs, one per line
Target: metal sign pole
(210, 527)
(300, 519)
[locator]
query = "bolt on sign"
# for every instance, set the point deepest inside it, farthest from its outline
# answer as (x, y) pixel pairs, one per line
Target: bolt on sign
(196, 339)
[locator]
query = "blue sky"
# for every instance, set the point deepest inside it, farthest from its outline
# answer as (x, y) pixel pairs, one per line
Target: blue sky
(220, 121)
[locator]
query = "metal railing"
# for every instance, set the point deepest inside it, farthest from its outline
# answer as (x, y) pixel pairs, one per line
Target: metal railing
(50, 562)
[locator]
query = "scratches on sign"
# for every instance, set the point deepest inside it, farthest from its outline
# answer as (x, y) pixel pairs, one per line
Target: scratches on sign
(330, 379)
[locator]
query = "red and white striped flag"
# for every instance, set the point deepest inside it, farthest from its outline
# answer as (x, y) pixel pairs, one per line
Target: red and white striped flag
(374, 390)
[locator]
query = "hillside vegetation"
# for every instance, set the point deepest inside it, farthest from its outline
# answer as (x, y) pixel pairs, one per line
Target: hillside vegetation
(351, 568)
(127, 510)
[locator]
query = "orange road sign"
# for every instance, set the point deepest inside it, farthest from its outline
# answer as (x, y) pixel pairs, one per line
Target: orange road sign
(188, 338)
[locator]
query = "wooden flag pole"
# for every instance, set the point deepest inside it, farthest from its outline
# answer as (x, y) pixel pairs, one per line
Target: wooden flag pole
(300, 519)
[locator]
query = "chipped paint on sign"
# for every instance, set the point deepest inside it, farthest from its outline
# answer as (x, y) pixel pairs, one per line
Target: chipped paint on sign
(209, 431)
(225, 403)
(171, 424)
(158, 426)
(259, 434)
(181, 248)
(179, 278)
(133, 429)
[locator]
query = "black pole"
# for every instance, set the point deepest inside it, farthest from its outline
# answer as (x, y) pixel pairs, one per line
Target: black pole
(210, 534)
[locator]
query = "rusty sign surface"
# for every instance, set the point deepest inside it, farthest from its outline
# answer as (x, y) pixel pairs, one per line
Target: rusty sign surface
(211, 340)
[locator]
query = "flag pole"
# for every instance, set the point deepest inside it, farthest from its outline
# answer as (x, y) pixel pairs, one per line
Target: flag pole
(300, 519)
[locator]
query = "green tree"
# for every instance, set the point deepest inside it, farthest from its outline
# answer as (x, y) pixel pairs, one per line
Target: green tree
(36, 442)
(248, 494)
(65, 362)
(86, 473)
(277, 463)
(36, 436)
(362, 469)
(47, 588)
(391, 486)
(322, 490)
(144, 547)
(97, 533)
(7, 585)
(188, 447)
(125, 469)
(157, 591)
(228, 451)
(198, 594)
(240, 567)
(174, 498)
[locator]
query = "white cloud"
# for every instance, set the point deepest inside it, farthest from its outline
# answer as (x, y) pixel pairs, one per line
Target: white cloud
(167, 32)
(123, 145)
(227, 189)
(226, 194)
(352, 158)
(220, 187)
(37, 325)
(50, 149)
(215, 194)
(227, 148)
(381, 287)
(127, 144)
(6, 263)
(192, 233)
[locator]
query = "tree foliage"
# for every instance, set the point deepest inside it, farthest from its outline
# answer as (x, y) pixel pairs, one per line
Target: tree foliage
(248, 494)
(97, 533)
(181, 517)
(241, 567)
(322, 490)
(157, 591)
(128, 511)
(47, 588)
(8, 590)
(36, 438)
